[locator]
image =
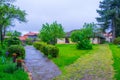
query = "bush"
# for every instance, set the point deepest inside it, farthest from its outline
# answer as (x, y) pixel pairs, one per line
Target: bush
(117, 40)
(44, 49)
(39, 45)
(1, 52)
(10, 68)
(84, 45)
(18, 49)
(82, 37)
(13, 41)
(29, 41)
(48, 50)
(52, 50)
(36, 45)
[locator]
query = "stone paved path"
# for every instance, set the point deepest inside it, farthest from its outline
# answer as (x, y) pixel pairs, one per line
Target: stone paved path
(40, 66)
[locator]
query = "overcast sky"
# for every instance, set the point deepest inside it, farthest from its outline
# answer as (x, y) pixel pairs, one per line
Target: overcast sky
(72, 14)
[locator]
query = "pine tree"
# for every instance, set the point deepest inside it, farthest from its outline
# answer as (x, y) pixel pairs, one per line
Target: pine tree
(110, 16)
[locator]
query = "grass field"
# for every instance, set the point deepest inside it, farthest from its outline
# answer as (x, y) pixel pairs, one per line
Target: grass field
(68, 54)
(116, 57)
(95, 64)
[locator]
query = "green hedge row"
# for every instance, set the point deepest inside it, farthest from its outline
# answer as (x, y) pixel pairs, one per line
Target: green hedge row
(48, 50)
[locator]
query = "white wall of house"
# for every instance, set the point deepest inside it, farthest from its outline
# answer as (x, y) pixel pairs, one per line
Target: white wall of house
(95, 40)
(109, 39)
(61, 41)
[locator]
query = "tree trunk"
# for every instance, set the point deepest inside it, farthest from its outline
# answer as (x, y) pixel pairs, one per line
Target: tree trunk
(4, 31)
(1, 36)
(113, 30)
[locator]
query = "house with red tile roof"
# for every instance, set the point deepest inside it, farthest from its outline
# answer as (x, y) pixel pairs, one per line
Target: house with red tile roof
(23, 38)
(30, 35)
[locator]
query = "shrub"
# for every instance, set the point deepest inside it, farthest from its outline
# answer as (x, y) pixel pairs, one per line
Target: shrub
(18, 49)
(117, 40)
(10, 68)
(36, 45)
(1, 52)
(48, 50)
(44, 49)
(52, 50)
(13, 41)
(84, 45)
(81, 37)
(29, 41)
(39, 45)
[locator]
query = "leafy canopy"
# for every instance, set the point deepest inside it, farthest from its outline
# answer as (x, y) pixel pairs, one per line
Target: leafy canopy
(81, 37)
(13, 33)
(50, 32)
(84, 33)
(8, 13)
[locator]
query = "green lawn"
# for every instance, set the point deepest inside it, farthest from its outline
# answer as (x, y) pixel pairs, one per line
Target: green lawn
(68, 54)
(16, 75)
(95, 65)
(116, 57)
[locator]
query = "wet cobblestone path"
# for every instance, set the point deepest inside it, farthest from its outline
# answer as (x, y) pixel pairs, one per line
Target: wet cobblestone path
(39, 65)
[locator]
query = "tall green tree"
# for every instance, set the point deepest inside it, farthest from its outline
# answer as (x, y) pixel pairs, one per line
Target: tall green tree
(50, 32)
(110, 16)
(16, 33)
(13, 33)
(8, 13)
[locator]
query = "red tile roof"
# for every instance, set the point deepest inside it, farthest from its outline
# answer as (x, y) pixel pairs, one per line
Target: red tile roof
(31, 34)
(23, 38)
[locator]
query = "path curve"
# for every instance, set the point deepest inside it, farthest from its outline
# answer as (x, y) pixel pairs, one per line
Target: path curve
(97, 65)
(40, 66)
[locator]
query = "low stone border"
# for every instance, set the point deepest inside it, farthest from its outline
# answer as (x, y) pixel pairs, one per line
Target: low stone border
(26, 69)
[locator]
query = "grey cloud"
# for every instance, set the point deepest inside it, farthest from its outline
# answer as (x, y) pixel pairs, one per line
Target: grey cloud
(70, 13)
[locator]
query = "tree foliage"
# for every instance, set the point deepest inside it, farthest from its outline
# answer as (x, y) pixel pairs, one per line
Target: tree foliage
(9, 12)
(87, 31)
(13, 41)
(110, 16)
(82, 36)
(13, 33)
(50, 32)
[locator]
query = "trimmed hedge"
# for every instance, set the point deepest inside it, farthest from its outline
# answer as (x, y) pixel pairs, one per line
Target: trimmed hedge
(18, 49)
(48, 50)
(38, 45)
